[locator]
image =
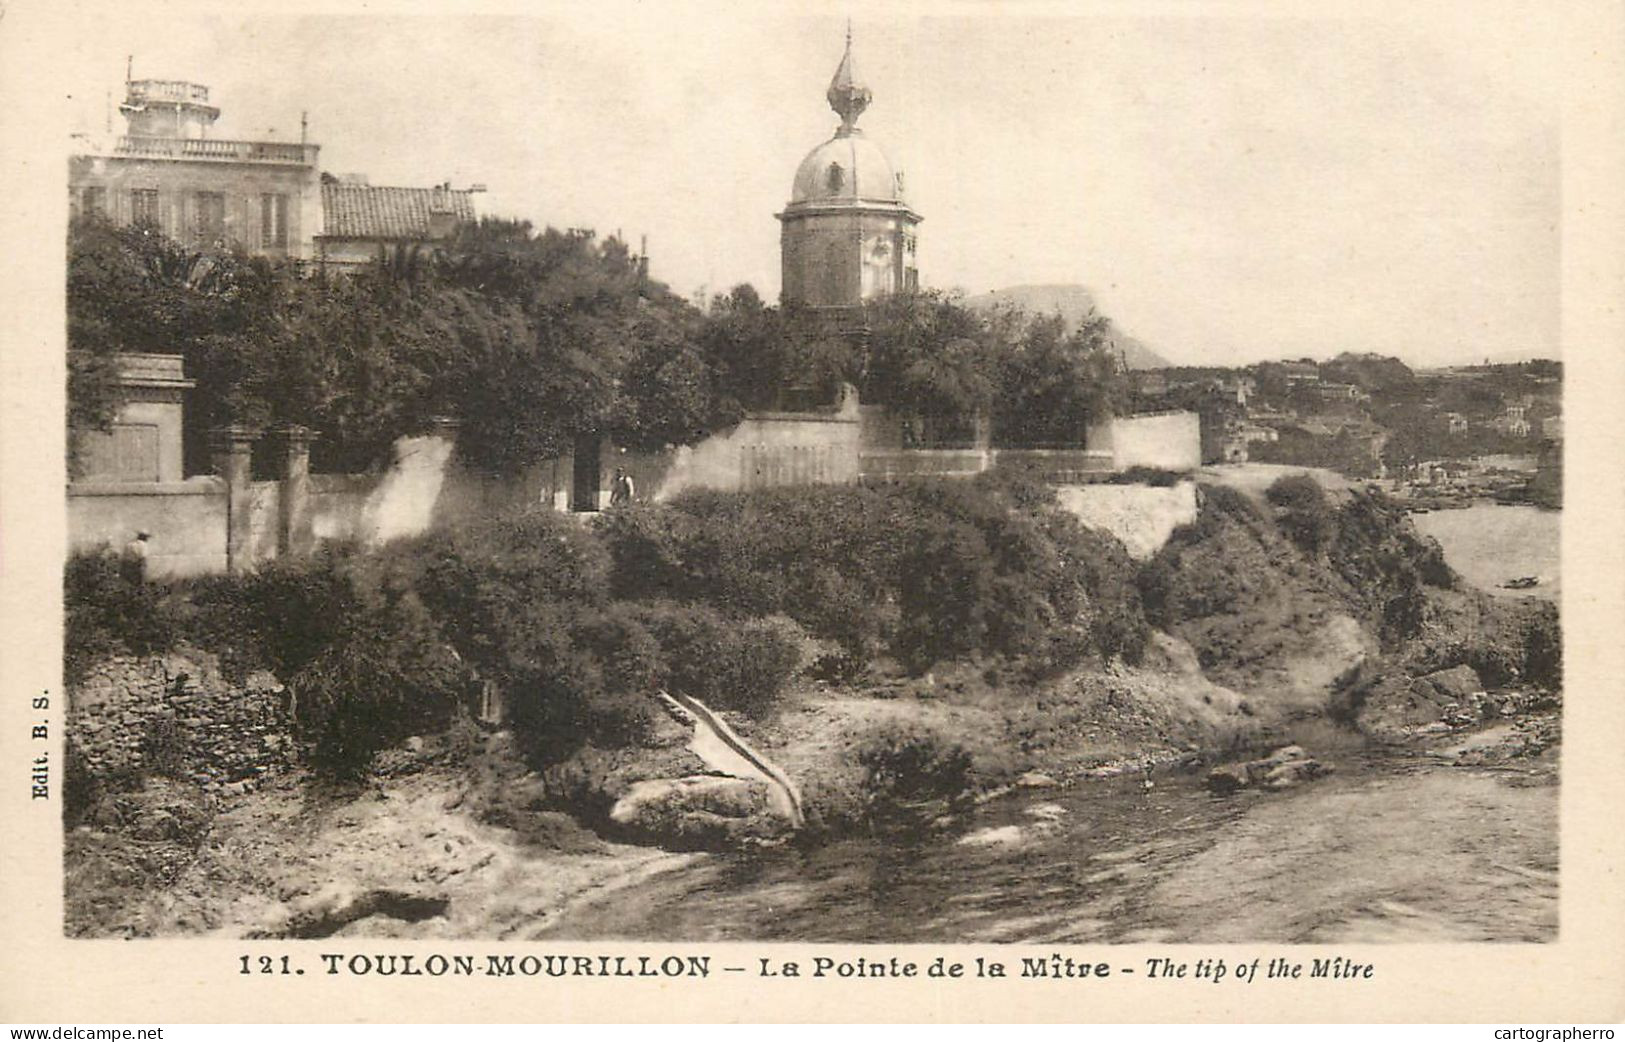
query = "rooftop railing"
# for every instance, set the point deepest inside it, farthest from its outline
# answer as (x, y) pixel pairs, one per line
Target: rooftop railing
(210, 149)
(167, 90)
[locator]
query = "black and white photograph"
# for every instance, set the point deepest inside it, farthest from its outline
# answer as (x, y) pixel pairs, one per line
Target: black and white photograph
(836, 475)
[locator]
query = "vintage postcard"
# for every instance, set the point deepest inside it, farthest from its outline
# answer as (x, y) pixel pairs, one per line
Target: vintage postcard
(876, 512)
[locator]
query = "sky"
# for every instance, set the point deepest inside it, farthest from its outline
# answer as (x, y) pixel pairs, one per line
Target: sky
(1231, 186)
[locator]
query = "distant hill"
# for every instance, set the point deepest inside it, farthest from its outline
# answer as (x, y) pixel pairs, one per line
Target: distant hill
(1073, 303)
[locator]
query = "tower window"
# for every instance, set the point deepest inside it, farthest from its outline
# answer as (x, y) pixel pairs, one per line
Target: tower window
(837, 177)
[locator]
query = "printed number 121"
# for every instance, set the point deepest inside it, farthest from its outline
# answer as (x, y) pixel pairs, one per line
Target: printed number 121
(267, 964)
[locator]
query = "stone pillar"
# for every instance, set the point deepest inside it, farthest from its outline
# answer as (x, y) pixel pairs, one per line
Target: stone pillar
(232, 449)
(295, 534)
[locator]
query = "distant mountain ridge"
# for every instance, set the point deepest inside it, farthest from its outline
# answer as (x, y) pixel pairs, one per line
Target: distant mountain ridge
(1073, 303)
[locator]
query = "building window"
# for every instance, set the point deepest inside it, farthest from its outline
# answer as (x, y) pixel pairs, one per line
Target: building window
(209, 221)
(93, 200)
(144, 206)
(274, 222)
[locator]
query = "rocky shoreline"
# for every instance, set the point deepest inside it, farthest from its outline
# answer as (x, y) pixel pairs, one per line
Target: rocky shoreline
(1272, 618)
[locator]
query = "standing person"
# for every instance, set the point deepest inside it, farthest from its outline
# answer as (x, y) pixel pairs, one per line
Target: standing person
(621, 490)
(134, 561)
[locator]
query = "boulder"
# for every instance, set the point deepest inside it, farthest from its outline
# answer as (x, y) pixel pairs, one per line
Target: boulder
(1227, 778)
(1036, 780)
(1457, 684)
(1293, 772)
(1281, 769)
(699, 812)
(1395, 706)
(1398, 707)
(1003, 836)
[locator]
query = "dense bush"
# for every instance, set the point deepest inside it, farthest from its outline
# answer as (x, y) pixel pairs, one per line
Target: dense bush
(927, 570)
(1543, 650)
(1303, 512)
(490, 582)
(729, 664)
(713, 595)
(946, 594)
(387, 673)
(110, 610)
(1156, 477)
(913, 775)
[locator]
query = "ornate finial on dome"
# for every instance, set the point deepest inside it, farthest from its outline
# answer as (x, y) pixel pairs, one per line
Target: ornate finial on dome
(847, 95)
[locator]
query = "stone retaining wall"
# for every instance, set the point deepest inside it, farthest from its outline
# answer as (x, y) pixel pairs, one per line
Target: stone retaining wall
(176, 714)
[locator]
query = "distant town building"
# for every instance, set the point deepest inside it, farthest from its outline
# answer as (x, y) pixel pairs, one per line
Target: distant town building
(1455, 422)
(1300, 372)
(1551, 428)
(1339, 392)
(1272, 417)
(1151, 382)
(1514, 423)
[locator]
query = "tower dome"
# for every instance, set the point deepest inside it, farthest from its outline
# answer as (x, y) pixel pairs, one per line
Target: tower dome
(847, 167)
(848, 233)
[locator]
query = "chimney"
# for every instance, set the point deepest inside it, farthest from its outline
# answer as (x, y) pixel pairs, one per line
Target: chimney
(442, 215)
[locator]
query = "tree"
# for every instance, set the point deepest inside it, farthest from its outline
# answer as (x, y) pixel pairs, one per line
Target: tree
(926, 353)
(1054, 384)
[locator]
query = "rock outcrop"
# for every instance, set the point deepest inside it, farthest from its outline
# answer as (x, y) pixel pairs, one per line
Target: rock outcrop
(1282, 769)
(700, 812)
(1397, 706)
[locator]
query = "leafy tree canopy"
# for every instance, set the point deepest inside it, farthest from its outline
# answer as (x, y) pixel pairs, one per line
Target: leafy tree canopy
(531, 339)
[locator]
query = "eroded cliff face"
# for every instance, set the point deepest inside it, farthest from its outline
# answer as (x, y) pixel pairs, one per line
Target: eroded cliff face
(1299, 602)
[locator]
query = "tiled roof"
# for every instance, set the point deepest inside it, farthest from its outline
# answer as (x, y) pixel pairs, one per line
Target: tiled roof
(376, 212)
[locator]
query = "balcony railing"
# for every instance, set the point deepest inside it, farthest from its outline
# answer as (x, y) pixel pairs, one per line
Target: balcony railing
(212, 150)
(168, 90)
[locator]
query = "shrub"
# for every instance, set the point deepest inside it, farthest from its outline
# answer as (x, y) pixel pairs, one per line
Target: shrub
(386, 673)
(649, 548)
(945, 595)
(764, 655)
(108, 611)
(732, 665)
(1157, 477)
(1543, 649)
(485, 582)
(912, 775)
(1303, 512)
(932, 570)
(1025, 484)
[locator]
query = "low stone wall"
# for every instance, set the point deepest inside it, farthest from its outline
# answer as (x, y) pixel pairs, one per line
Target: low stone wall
(898, 465)
(1059, 466)
(187, 520)
(176, 713)
(1167, 440)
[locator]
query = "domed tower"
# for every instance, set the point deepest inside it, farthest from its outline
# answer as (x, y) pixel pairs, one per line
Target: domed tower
(847, 234)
